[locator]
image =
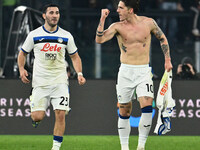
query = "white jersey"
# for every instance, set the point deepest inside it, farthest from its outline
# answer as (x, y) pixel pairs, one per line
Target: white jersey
(49, 50)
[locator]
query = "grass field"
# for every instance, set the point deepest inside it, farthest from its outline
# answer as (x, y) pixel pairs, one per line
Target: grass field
(44, 142)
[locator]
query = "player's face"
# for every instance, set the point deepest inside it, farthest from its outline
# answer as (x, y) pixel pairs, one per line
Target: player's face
(52, 16)
(122, 11)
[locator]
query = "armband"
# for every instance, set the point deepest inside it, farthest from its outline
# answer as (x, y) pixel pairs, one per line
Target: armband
(99, 33)
(80, 74)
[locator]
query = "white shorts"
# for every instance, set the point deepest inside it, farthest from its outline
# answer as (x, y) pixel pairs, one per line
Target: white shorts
(57, 95)
(134, 80)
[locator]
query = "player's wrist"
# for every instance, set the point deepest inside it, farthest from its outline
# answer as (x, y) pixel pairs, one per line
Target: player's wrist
(103, 18)
(167, 59)
(80, 74)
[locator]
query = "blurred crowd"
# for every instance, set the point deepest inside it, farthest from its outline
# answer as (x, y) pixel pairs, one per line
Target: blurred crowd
(177, 27)
(179, 19)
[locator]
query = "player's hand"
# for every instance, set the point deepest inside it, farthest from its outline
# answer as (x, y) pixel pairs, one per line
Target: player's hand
(168, 64)
(81, 80)
(24, 75)
(191, 68)
(104, 13)
(179, 69)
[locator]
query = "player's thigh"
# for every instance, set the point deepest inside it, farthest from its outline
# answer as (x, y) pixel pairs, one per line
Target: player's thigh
(39, 99)
(124, 95)
(145, 88)
(145, 91)
(124, 87)
(60, 97)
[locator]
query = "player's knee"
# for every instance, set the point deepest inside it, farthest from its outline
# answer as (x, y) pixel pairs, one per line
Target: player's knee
(125, 109)
(125, 112)
(37, 116)
(124, 116)
(60, 115)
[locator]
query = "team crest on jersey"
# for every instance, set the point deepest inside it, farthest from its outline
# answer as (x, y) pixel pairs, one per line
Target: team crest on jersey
(60, 40)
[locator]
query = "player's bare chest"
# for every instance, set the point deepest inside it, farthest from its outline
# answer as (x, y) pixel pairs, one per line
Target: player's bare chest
(138, 33)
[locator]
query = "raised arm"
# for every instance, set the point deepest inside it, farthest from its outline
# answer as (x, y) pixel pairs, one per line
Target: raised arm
(164, 44)
(101, 34)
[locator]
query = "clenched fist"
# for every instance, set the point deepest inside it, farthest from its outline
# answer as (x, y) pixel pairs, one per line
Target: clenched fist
(104, 13)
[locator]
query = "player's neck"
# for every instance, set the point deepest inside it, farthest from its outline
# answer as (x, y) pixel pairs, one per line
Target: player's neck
(50, 28)
(133, 19)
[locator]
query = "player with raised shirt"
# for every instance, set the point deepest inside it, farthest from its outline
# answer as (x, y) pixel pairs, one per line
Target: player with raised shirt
(50, 81)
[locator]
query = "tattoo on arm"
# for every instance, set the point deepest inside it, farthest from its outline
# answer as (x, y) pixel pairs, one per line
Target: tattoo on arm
(100, 33)
(158, 32)
(165, 49)
(124, 48)
(100, 24)
(159, 35)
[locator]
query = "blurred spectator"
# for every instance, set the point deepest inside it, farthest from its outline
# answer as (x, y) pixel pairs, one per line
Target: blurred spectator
(184, 32)
(196, 8)
(169, 25)
(148, 5)
(186, 69)
(79, 3)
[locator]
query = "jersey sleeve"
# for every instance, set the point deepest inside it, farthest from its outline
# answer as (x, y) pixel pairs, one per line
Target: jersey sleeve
(71, 47)
(28, 44)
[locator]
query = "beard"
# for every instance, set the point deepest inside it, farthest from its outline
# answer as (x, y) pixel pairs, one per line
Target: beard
(50, 23)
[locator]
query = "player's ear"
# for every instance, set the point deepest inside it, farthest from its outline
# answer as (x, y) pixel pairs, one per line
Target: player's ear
(44, 16)
(130, 10)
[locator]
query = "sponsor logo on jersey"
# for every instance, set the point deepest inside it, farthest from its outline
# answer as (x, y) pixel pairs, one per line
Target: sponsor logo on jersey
(60, 40)
(41, 39)
(164, 89)
(47, 47)
(50, 56)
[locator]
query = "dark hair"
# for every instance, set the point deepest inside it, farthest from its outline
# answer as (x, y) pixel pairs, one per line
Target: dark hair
(132, 4)
(187, 60)
(47, 6)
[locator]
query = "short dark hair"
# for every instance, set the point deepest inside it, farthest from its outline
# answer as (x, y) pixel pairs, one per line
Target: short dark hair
(132, 4)
(47, 6)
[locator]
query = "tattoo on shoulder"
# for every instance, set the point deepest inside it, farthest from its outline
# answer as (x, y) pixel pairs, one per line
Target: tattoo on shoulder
(158, 32)
(124, 48)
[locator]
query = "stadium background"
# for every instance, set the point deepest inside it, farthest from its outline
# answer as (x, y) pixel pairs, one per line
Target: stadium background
(94, 106)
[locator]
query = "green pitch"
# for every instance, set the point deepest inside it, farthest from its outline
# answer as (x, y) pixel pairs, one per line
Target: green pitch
(44, 142)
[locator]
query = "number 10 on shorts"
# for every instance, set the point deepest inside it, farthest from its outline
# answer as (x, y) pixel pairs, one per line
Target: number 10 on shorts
(149, 88)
